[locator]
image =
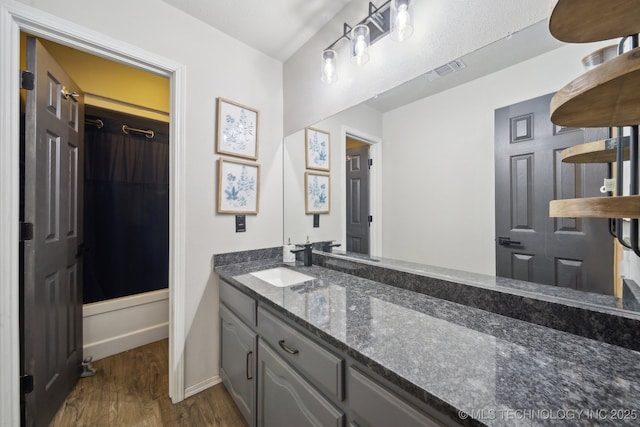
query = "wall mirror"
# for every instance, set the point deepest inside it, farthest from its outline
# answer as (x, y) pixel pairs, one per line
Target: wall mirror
(432, 187)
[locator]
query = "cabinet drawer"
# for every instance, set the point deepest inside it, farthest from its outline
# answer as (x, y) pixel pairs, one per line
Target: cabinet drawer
(286, 399)
(375, 406)
(323, 368)
(241, 304)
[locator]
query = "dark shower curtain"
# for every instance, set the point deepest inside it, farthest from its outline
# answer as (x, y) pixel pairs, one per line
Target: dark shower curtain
(126, 206)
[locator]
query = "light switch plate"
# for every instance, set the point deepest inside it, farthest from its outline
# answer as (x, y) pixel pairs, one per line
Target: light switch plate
(241, 223)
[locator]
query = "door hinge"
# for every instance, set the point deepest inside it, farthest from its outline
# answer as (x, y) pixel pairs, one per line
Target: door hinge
(370, 162)
(27, 80)
(26, 231)
(370, 219)
(26, 384)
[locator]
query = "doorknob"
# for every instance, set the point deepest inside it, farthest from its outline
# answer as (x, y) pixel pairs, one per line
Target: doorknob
(66, 94)
(506, 241)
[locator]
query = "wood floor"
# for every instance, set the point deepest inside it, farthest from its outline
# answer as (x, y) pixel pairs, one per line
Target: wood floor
(131, 389)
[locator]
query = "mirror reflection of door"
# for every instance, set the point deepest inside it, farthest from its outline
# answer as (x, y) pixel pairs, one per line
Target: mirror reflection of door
(569, 252)
(357, 195)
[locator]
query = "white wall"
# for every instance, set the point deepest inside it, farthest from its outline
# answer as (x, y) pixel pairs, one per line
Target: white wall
(444, 30)
(439, 153)
(217, 65)
(298, 225)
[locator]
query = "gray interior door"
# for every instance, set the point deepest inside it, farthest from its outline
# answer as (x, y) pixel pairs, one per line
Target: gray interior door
(569, 252)
(357, 194)
(52, 297)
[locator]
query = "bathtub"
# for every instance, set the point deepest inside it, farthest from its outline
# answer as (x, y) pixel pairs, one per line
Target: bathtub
(120, 324)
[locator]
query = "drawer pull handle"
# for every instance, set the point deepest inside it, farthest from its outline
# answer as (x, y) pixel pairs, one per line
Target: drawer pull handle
(249, 366)
(287, 348)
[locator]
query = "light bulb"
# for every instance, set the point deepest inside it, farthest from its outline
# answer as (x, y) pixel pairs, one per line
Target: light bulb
(360, 44)
(401, 25)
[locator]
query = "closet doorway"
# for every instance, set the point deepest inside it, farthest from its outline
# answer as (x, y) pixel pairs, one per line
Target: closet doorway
(126, 253)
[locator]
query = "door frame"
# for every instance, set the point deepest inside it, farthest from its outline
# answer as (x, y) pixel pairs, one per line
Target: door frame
(16, 17)
(375, 187)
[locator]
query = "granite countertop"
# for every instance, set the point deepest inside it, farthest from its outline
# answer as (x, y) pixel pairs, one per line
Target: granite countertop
(535, 290)
(500, 371)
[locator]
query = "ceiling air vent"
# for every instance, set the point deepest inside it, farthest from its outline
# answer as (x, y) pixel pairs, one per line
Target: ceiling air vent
(451, 67)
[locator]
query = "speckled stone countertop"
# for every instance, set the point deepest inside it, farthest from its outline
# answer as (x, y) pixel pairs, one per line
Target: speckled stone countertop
(499, 370)
(536, 290)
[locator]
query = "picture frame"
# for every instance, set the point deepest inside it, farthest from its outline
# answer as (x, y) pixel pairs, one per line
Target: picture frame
(317, 196)
(238, 127)
(317, 149)
(238, 187)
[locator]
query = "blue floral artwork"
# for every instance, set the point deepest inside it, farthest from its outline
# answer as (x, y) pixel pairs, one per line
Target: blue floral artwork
(238, 187)
(238, 129)
(318, 193)
(317, 143)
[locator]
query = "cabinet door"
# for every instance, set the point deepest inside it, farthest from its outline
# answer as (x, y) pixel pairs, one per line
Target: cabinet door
(238, 362)
(287, 399)
(374, 405)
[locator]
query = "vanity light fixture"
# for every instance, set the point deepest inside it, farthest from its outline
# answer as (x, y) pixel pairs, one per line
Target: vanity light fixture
(392, 16)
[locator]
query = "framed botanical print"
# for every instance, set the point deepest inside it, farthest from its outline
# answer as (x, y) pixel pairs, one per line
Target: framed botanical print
(237, 129)
(317, 149)
(317, 196)
(238, 187)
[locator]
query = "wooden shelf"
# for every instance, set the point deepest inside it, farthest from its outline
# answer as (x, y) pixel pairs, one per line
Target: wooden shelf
(580, 21)
(596, 207)
(605, 96)
(603, 151)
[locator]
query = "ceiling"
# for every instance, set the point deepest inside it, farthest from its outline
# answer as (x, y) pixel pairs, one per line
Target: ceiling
(276, 27)
(514, 48)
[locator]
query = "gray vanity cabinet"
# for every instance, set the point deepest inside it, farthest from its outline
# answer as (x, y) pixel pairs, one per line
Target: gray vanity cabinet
(238, 362)
(373, 405)
(287, 399)
(279, 375)
(238, 349)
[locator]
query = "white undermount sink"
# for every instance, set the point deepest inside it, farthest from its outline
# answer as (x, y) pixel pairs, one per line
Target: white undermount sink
(281, 276)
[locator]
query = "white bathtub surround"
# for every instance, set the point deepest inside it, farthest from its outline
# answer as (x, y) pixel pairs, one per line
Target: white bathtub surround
(119, 324)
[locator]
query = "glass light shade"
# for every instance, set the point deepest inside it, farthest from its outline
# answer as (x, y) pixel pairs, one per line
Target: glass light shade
(360, 41)
(329, 66)
(401, 19)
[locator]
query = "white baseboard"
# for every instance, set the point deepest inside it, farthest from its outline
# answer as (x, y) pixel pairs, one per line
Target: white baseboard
(201, 386)
(120, 343)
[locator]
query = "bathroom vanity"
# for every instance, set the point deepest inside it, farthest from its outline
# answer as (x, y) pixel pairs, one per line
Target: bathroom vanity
(345, 350)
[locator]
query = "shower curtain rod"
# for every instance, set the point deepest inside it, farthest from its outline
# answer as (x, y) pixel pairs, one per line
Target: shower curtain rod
(125, 128)
(97, 123)
(148, 133)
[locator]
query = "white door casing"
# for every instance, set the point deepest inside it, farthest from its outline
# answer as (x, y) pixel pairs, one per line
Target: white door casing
(16, 17)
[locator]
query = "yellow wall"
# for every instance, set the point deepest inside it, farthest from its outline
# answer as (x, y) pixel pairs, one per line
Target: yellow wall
(111, 85)
(354, 143)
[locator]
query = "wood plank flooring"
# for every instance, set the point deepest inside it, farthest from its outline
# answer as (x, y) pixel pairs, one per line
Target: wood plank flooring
(131, 389)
